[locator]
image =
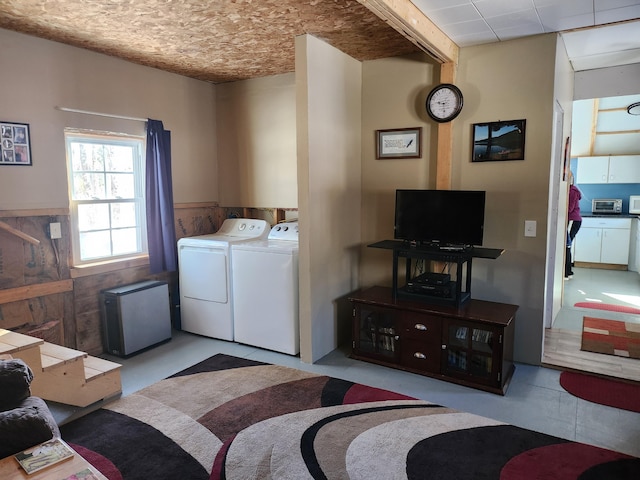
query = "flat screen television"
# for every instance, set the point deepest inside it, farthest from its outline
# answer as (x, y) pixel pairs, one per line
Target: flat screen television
(443, 218)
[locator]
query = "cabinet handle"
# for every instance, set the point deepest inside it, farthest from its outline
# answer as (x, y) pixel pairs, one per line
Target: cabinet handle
(419, 355)
(444, 347)
(419, 326)
(397, 337)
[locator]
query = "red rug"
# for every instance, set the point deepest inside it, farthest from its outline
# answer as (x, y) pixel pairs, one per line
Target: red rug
(604, 391)
(609, 307)
(611, 337)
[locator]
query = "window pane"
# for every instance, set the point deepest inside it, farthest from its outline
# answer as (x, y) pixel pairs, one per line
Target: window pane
(123, 215)
(94, 216)
(106, 174)
(87, 157)
(121, 185)
(88, 186)
(120, 158)
(95, 245)
(125, 240)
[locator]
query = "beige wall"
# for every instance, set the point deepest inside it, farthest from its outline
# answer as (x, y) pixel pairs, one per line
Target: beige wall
(503, 81)
(38, 75)
(256, 134)
(328, 100)
(394, 91)
(345, 195)
(507, 81)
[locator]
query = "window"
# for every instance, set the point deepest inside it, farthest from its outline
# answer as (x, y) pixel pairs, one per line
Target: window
(106, 189)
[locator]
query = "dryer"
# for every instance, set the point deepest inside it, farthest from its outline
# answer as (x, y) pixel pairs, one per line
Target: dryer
(265, 291)
(206, 299)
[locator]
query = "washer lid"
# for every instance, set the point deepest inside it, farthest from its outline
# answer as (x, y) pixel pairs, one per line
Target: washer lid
(269, 246)
(233, 230)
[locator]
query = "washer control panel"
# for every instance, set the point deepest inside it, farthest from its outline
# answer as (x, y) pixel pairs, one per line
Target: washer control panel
(284, 231)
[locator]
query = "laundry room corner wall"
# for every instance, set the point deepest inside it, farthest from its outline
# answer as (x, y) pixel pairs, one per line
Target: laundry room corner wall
(256, 132)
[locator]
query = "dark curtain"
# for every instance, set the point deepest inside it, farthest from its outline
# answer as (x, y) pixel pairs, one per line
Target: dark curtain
(159, 198)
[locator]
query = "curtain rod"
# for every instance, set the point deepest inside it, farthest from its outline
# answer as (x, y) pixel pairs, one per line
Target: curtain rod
(87, 112)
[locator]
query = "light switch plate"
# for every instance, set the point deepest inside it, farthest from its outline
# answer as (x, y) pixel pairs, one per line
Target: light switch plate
(530, 228)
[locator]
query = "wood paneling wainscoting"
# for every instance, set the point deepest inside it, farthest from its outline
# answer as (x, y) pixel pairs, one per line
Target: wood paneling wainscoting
(42, 295)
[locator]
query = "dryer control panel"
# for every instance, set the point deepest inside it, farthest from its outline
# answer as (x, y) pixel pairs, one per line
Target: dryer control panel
(243, 227)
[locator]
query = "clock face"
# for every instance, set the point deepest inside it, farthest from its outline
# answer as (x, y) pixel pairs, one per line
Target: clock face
(444, 103)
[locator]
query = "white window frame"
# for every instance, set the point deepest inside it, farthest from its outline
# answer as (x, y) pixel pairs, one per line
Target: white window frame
(105, 138)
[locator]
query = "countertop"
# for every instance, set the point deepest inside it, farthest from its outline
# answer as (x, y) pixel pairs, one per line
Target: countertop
(610, 215)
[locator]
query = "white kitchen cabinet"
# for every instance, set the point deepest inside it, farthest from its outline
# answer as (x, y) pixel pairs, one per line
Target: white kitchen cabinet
(608, 169)
(592, 170)
(603, 240)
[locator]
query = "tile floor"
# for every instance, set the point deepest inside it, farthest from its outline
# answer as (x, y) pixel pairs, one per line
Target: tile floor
(595, 285)
(535, 400)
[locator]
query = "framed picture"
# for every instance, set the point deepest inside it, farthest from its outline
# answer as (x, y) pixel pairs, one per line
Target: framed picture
(399, 143)
(15, 144)
(498, 141)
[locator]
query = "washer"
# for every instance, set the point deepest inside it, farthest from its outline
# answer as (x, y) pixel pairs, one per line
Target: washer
(206, 299)
(265, 291)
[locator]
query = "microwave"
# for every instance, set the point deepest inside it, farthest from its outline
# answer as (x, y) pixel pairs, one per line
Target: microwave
(606, 205)
(634, 204)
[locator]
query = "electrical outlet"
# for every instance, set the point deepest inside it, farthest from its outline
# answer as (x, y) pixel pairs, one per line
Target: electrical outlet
(55, 231)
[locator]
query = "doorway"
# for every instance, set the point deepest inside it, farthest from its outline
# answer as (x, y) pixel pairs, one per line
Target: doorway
(562, 336)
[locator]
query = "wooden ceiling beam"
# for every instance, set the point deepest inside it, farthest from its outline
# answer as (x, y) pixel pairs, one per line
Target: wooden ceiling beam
(408, 20)
(444, 158)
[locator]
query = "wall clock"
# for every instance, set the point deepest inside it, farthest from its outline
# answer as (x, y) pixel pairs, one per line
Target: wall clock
(444, 102)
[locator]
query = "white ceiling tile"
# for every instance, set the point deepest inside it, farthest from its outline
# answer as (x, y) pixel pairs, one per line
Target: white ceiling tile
(461, 13)
(455, 30)
(557, 24)
(601, 40)
(494, 8)
(518, 31)
(511, 20)
(618, 14)
(543, 3)
(566, 8)
(430, 5)
(611, 4)
(474, 22)
(477, 38)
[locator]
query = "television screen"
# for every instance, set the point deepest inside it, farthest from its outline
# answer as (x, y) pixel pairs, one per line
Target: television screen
(440, 217)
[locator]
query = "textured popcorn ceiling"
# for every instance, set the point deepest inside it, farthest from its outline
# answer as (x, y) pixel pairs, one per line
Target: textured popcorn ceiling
(212, 40)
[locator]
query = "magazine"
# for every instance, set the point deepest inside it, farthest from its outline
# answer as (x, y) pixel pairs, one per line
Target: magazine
(85, 474)
(44, 455)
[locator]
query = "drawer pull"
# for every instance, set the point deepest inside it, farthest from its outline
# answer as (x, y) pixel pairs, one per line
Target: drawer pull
(419, 355)
(419, 326)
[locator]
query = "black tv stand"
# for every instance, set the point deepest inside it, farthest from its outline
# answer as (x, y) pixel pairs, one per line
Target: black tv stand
(453, 292)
